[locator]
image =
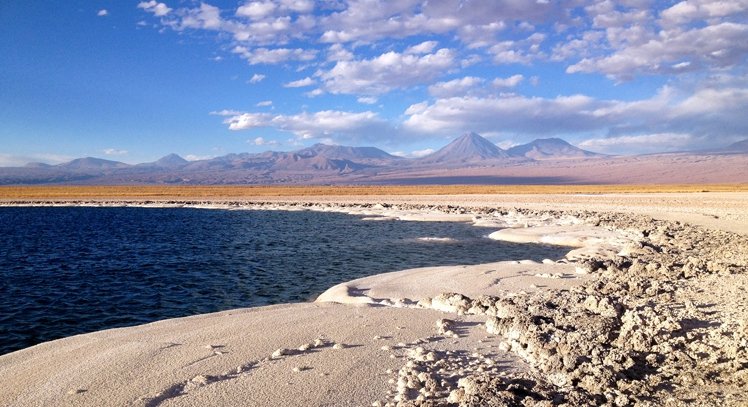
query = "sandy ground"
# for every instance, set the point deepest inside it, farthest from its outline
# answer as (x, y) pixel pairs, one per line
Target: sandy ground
(718, 210)
(413, 335)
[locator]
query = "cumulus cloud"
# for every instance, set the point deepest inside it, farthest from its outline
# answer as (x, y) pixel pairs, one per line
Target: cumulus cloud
(257, 78)
(518, 52)
(102, 13)
(451, 49)
(629, 40)
(367, 100)
(114, 151)
(198, 157)
(13, 160)
(274, 56)
(473, 22)
(425, 47)
(455, 87)
(512, 113)
(158, 9)
(205, 17)
(509, 82)
(261, 141)
(640, 143)
(264, 103)
(707, 115)
(327, 123)
(385, 72)
(300, 83)
(256, 9)
(720, 46)
(420, 153)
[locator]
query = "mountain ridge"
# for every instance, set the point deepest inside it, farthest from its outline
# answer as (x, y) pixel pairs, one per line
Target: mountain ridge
(470, 158)
(466, 148)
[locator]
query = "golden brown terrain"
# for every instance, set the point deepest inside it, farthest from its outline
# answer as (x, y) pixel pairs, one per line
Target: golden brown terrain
(12, 193)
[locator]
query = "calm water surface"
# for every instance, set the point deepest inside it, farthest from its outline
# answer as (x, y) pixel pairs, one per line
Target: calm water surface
(70, 270)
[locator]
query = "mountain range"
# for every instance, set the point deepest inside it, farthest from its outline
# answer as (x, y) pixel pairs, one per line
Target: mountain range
(468, 159)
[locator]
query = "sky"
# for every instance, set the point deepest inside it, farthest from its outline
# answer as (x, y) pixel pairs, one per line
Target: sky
(136, 80)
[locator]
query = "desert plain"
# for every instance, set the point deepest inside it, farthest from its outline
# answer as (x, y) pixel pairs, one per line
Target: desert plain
(649, 307)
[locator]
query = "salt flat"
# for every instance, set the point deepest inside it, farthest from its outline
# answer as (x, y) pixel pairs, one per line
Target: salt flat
(641, 311)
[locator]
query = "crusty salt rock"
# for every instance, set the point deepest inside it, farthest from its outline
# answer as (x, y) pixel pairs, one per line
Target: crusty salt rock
(443, 325)
(493, 325)
(338, 346)
(76, 391)
(280, 353)
(602, 306)
(424, 303)
(451, 302)
(303, 348)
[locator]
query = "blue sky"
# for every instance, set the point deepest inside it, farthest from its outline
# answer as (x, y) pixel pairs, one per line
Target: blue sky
(133, 81)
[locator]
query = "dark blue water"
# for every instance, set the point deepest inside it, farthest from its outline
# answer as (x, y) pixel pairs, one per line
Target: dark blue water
(65, 271)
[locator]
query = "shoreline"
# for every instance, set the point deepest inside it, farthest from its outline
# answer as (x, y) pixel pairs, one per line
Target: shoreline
(490, 313)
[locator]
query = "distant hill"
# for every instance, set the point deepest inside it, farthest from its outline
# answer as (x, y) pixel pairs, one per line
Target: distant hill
(466, 148)
(739, 147)
(168, 161)
(550, 148)
(346, 152)
(91, 163)
(37, 165)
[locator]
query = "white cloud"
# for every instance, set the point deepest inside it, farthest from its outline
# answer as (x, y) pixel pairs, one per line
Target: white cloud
(274, 56)
(196, 157)
(336, 52)
(225, 112)
(114, 151)
(256, 9)
(264, 103)
(425, 47)
(420, 153)
(474, 22)
(102, 13)
(639, 144)
(314, 93)
(260, 141)
(367, 100)
(690, 10)
(12, 160)
(518, 52)
(158, 9)
(709, 114)
(300, 83)
(721, 45)
(509, 82)
(510, 113)
(455, 87)
(628, 40)
(205, 17)
(385, 72)
(257, 78)
(322, 124)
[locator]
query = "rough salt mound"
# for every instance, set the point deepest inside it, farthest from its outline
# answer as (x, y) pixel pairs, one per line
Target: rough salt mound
(468, 147)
